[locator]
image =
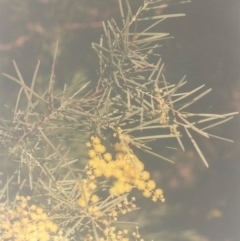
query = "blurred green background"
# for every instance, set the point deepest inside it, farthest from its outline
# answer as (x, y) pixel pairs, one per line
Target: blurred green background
(201, 204)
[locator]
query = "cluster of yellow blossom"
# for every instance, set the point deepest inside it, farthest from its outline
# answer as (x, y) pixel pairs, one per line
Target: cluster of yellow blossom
(27, 223)
(94, 210)
(120, 208)
(87, 188)
(109, 216)
(88, 198)
(125, 172)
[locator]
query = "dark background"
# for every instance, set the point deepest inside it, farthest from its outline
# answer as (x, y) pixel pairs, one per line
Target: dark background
(201, 204)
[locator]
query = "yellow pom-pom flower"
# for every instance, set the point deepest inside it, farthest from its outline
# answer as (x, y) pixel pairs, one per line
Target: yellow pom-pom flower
(107, 156)
(99, 148)
(147, 193)
(94, 198)
(145, 175)
(92, 153)
(151, 185)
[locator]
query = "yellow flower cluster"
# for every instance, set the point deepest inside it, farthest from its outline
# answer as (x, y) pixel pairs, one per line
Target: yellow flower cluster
(27, 223)
(121, 208)
(109, 216)
(94, 210)
(112, 234)
(136, 235)
(125, 172)
(119, 174)
(88, 198)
